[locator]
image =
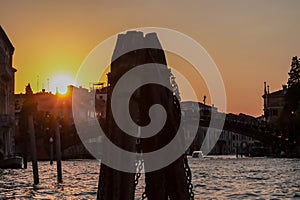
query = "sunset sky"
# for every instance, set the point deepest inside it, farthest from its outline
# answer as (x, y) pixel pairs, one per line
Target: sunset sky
(250, 41)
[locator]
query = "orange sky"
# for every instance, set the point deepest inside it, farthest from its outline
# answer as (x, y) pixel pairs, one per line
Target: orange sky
(250, 41)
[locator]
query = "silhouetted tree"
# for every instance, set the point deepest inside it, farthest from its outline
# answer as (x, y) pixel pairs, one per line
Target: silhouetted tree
(292, 101)
(293, 93)
(294, 74)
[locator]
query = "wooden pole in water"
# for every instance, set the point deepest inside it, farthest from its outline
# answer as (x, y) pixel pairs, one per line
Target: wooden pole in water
(58, 153)
(171, 182)
(51, 150)
(25, 152)
(33, 150)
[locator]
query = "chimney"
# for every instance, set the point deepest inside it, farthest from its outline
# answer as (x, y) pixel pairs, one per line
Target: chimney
(265, 88)
(284, 88)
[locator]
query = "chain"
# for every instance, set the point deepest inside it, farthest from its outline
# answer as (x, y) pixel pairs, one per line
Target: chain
(139, 162)
(139, 167)
(174, 86)
(188, 175)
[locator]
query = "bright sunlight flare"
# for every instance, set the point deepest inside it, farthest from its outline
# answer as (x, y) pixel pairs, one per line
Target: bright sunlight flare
(60, 82)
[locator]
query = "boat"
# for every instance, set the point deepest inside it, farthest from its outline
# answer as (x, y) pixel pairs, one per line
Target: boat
(197, 154)
(12, 163)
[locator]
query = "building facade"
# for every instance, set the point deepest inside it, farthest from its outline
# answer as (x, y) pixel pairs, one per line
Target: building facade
(274, 103)
(56, 107)
(7, 81)
(227, 143)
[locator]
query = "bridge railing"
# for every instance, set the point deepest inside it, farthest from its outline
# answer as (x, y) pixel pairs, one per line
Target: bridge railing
(258, 129)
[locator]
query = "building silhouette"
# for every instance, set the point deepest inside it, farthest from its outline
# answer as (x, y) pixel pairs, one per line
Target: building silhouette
(50, 108)
(274, 103)
(227, 143)
(7, 83)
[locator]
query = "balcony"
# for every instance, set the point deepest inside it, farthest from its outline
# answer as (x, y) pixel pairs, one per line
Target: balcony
(6, 121)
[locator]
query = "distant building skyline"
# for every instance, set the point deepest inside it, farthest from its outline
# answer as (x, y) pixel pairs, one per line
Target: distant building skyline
(251, 42)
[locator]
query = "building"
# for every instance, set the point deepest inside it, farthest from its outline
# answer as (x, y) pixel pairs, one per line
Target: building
(228, 142)
(273, 104)
(57, 105)
(51, 107)
(7, 81)
(46, 105)
(100, 99)
(190, 110)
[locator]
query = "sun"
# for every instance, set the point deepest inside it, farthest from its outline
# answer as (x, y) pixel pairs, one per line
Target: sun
(59, 83)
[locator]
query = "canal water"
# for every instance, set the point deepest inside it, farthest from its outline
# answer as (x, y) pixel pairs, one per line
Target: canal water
(219, 177)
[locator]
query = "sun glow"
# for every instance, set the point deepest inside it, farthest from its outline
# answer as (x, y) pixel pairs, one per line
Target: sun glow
(59, 83)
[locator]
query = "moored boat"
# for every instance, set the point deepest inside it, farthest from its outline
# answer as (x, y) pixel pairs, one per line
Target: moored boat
(197, 154)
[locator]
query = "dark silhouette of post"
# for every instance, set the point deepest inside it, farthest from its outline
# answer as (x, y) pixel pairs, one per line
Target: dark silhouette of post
(33, 150)
(58, 153)
(28, 109)
(51, 150)
(169, 182)
(25, 152)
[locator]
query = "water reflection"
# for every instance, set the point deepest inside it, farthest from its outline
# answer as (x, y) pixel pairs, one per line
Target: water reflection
(213, 177)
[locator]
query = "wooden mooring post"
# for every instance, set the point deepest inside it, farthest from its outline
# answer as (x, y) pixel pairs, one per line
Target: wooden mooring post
(25, 152)
(58, 153)
(51, 150)
(33, 150)
(170, 182)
